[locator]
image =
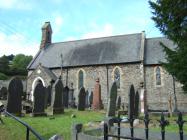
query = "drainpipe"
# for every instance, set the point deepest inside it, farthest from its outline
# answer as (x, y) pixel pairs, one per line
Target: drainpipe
(175, 97)
(67, 77)
(107, 80)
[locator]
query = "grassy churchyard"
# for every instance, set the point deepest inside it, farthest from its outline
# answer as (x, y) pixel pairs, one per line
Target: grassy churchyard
(46, 126)
(61, 124)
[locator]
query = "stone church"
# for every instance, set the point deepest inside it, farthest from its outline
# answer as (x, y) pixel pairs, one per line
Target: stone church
(126, 59)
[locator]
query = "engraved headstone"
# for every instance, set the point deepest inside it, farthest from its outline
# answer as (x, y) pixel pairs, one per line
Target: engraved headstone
(71, 96)
(97, 104)
(136, 105)
(39, 100)
(81, 99)
(90, 98)
(87, 99)
(66, 96)
(118, 103)
(112, 101)
(15, 90)
(57, 97)
(48, 96)
(131, 102)
(3, 93)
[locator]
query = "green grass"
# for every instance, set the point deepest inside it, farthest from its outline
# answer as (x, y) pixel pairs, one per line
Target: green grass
(172, 127)
(61, 124)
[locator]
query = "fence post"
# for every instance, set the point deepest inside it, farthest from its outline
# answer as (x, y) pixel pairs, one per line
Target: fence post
(131, 126)
(163, 124)
(105, 131)
(146, 121)
(180, 123)
(119, 129)
(27, 134)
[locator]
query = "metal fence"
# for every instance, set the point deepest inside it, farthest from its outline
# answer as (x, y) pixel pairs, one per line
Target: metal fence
(28, 128)
(163, 123)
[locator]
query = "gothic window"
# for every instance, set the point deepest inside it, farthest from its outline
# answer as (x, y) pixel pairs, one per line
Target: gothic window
(117, 77)
(80, 79)
(158, 76)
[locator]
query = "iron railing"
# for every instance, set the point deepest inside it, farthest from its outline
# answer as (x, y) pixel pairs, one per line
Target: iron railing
(28, 128)
(163, 123)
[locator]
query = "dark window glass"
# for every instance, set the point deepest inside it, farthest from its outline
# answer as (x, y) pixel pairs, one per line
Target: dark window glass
(81, 79)
(158, 76)
(117, 77)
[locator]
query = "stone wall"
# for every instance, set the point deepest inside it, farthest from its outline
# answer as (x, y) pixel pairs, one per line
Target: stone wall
(33, 75)
(130, 74)
(158, 96)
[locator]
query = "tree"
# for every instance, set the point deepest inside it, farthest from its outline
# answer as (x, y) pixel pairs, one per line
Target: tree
(4, 64)
(20, 63)
(170, 17)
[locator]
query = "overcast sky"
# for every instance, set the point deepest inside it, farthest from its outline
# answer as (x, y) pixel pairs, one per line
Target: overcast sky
(21, 21)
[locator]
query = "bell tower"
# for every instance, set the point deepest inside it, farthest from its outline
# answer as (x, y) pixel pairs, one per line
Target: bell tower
(46, 35)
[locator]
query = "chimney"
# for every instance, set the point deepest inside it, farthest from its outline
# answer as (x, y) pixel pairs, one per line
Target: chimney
(46, 35)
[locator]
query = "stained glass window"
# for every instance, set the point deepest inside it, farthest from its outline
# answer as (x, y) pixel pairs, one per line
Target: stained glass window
(158, 76)
(81, 79)
(117, 77)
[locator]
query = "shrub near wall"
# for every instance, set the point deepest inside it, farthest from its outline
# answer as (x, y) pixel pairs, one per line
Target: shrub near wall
(3, 76)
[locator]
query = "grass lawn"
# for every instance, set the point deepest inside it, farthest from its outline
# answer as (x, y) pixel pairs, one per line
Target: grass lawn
(61, 124)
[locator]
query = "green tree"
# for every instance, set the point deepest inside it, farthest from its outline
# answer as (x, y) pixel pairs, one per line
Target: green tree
(19, 64)
(4, 64)
(170, 17)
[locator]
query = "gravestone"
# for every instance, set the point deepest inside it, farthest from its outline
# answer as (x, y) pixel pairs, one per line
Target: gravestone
(112, 101)
(131, 102)
(66, 96)
(39, 100)
(71, 96)
(87, 99)
(57, 97)
(81, 99)
(3, 93)
(136, 105)
(90, 98)
(97, 104)
(48, 96)
(15, 90)
(118, 103)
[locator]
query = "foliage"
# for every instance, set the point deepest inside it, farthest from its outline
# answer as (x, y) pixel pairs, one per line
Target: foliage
(21, 61)
(170, 17)
(4, 64)
(3, 76)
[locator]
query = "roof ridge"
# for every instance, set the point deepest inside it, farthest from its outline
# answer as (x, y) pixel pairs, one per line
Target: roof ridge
(96, 38)
(156, 37)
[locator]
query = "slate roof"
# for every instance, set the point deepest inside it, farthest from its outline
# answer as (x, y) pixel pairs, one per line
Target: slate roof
(105, 50)
(154, 53)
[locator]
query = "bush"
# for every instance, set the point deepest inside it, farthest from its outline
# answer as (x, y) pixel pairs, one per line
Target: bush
(3, 76)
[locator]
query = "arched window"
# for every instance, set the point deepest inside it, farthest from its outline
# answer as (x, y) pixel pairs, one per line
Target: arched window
(80, 79)
(117, 77)
(158, 76)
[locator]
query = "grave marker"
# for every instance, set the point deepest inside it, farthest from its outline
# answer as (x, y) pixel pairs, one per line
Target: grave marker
(15, 90)
(112, 101)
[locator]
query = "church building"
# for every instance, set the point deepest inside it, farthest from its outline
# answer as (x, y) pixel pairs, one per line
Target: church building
(127, 59)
